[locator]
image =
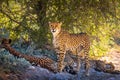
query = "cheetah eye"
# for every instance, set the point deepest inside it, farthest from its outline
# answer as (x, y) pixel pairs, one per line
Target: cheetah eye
(51, 25)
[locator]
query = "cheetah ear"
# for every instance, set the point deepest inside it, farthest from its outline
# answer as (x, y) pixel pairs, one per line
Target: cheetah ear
(10, 41)
(49, 23)
(60, 23)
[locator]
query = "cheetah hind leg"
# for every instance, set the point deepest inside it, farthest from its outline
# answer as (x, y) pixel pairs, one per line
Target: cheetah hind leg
(87, 64)
(61, 63)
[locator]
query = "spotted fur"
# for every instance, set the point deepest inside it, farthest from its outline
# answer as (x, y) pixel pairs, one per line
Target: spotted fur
(76, 43)
(44, 62)
(104, 66)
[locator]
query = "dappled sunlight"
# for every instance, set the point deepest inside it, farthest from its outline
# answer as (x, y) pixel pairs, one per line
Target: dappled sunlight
(114, 57)
(26, 22)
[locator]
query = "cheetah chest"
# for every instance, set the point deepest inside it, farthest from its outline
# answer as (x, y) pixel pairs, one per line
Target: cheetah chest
(56, 43)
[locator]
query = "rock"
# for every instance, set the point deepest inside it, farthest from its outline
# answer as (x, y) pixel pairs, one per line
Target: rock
(112, 78)
(37, 73)
(62, 76)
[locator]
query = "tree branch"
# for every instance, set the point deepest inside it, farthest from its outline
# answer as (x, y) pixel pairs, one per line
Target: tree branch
(9, 17)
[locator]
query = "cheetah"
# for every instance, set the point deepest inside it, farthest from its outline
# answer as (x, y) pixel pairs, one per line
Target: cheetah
(63, 41)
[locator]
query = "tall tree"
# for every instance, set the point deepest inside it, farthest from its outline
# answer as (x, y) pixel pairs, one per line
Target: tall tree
(29, 19)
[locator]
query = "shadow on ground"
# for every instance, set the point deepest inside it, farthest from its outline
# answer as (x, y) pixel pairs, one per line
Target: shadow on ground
(37, 73)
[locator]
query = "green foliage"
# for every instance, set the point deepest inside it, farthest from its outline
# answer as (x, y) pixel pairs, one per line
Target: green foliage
(28, 19)
(10, 63)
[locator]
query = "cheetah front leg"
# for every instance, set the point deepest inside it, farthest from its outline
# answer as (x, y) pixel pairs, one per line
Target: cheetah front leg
(60, 56)
(87, 63)
(60, 64)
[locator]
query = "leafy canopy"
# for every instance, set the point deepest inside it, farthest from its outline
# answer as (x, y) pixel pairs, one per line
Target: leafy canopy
(29, 19)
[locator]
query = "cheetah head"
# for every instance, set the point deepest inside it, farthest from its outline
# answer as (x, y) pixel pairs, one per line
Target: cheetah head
(5, 42)
(55, 27)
